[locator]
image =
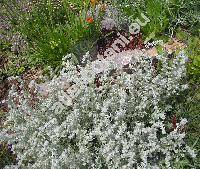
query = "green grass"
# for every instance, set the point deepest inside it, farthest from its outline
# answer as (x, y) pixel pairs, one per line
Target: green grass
(187, 106)
(166, 16)
(192, 50)
(52, 30)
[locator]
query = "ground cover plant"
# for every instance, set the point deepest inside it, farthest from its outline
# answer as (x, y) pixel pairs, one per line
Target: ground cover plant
(96, 125)
(73, 104)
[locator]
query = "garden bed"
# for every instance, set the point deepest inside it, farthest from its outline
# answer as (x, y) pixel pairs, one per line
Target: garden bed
(100, 84)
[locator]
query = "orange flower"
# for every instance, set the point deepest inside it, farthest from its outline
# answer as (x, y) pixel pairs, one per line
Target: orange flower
(90, 20)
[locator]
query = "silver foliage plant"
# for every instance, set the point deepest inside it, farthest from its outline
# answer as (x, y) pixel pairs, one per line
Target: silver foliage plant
(121, 123)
